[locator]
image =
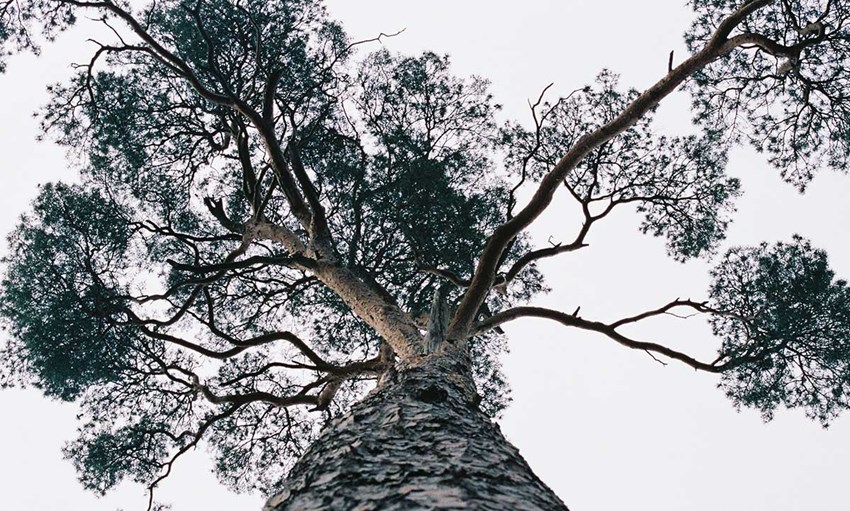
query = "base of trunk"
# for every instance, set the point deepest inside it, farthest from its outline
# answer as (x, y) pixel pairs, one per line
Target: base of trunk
(418, 441)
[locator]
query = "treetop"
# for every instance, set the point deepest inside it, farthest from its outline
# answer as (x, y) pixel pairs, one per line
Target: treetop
(268, 209)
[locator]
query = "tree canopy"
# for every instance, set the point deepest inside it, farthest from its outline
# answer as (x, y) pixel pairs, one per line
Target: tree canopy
(267, 210)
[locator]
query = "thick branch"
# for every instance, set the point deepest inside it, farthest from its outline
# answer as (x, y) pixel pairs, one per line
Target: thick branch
(438, 321)
(770, 46)
(375, 306)
(216, 208)
(319, 232)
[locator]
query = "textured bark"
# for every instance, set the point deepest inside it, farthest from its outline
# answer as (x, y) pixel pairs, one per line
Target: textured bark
(418, 441)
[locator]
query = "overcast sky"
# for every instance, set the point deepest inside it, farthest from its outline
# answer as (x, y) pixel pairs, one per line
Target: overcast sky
(607, 428)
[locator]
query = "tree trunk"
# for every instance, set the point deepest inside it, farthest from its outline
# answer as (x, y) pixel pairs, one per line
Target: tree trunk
(418, 441)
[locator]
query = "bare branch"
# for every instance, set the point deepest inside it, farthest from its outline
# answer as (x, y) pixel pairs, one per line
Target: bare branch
(378, 38)
(697, 306)
(536, 255)
(607, 330)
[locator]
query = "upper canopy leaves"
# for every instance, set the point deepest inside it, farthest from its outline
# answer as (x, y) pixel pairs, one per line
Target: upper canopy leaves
(787, 91)
(431, 134)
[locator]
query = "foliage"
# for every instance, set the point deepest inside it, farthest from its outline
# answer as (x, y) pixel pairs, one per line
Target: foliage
(678, 183)
(62, 292)
(788, 314)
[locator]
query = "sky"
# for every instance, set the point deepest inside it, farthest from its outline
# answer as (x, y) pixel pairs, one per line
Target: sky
(605, 427)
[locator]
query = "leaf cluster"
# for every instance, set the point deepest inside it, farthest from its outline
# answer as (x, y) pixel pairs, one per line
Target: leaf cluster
(786, 329)
(786, 94)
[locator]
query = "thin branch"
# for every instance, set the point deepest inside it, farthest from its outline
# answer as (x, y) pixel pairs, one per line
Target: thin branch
(194, 442)
(595, 326)
(287, 261)
(449, 275)
(698, 306)
(536, 255)
(378, 38)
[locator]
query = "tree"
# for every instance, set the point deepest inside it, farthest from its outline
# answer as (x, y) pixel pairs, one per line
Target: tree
(91, 336)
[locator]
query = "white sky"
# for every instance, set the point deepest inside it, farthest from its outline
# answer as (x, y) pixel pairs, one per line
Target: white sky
(605, 427)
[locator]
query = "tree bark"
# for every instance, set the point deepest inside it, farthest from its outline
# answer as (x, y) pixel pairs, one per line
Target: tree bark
(418, 441)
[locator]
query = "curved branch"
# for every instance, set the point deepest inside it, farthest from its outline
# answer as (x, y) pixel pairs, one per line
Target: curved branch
(535, 255)
(449, 275)
(770, 46)
(196, 437)
(595, 326)
(216, 208)
(219, 355)
(697, 306)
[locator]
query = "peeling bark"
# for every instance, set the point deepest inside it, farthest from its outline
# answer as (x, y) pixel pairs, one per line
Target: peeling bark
(418, 441)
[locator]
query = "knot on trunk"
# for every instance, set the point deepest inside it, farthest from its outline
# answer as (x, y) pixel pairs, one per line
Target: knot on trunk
(438, 378)
(432, 394)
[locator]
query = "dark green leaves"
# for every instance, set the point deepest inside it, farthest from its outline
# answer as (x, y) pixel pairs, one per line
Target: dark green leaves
(104, 458)
(233, 48)
(62, 291)
(23, 25)
(416, 108)
(424, 190)
(684, 194)
(786, 329)
(785, 90)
